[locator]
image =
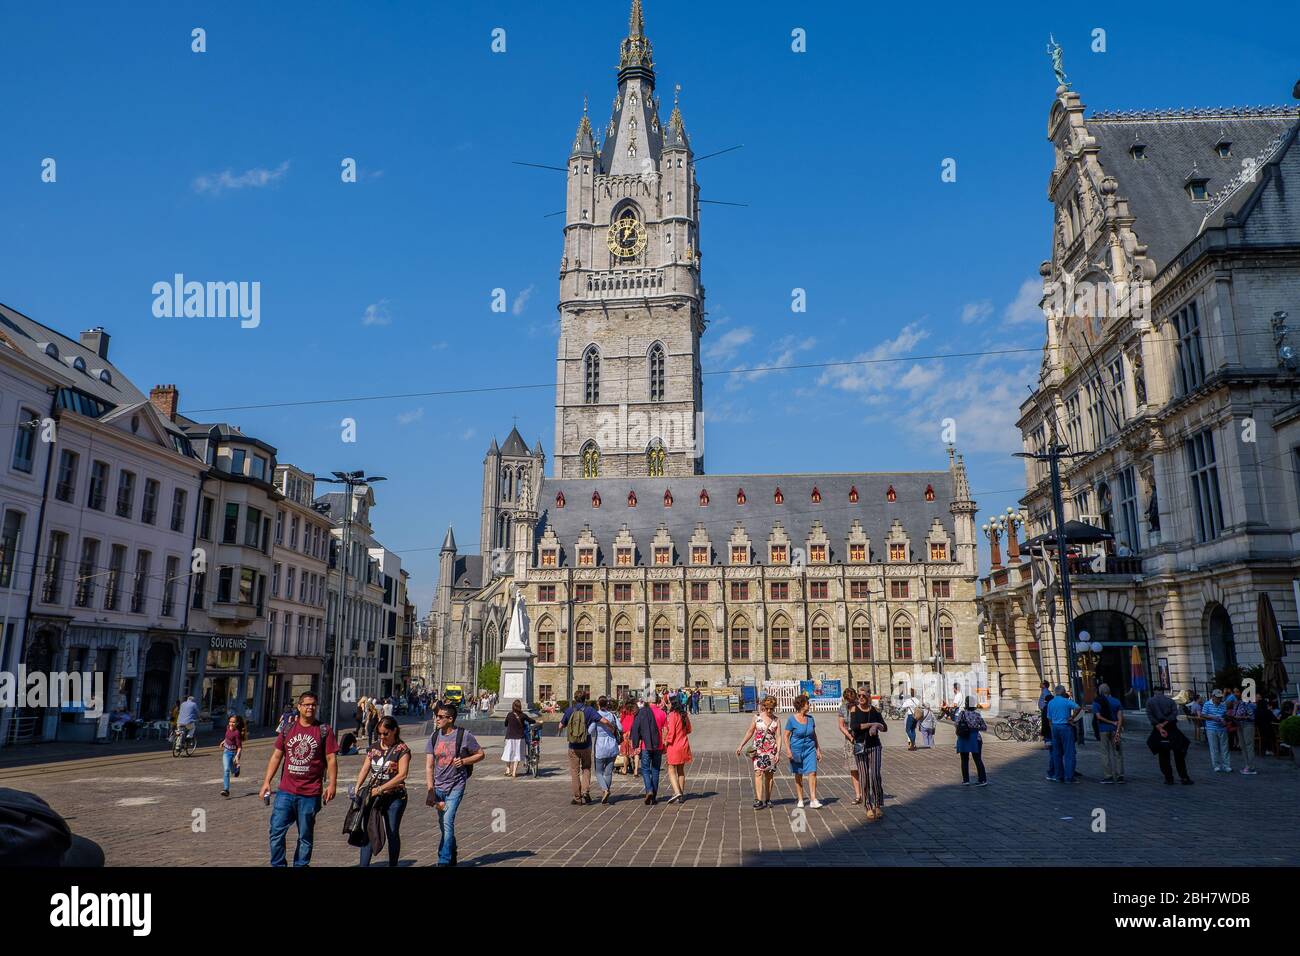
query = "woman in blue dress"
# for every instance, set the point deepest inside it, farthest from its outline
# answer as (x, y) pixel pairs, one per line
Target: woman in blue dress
(801, 744)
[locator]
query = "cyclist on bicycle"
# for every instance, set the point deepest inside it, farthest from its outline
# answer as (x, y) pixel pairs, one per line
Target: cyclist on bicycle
(187, 717)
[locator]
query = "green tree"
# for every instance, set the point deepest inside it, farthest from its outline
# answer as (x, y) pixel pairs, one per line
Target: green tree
(489, 677)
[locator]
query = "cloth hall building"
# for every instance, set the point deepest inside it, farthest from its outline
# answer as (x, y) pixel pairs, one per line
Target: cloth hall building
(638, 567)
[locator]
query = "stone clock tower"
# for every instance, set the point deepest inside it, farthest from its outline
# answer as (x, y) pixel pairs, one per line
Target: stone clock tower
(628, 394)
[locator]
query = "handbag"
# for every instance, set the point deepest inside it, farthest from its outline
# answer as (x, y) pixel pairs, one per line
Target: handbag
(620, 761)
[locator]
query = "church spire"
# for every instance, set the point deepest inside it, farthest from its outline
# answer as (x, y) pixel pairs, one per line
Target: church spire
(676, 133)
(584, 144)
(635, 53)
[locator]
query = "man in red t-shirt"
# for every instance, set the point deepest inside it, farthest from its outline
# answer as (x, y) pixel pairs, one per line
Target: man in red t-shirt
(308, 750)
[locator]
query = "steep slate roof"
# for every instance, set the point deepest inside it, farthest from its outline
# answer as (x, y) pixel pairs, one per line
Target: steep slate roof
(1179, 145)
(336, 502)
(514, 446)
(1239, 199)
(468, 572)
(757, 516)
(32, 337)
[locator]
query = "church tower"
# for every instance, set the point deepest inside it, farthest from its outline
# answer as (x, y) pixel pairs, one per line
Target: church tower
(628, 394)
(507, 470)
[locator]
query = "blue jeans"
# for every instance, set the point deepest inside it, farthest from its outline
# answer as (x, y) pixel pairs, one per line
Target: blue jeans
(651, 761)
(392, 810)
(1061, 760)
(605, 772)
(227, 765)
(909, 728)
(447, 823)
(1219, 756)
(289, 808)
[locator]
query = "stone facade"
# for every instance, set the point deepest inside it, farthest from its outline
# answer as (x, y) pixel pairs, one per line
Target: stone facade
(640, 570)
(1170, 391)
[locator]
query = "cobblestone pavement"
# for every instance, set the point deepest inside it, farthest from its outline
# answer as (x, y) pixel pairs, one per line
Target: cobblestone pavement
(141, 808)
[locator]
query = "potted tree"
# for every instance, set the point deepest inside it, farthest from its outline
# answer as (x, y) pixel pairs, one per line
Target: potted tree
(1289, 733)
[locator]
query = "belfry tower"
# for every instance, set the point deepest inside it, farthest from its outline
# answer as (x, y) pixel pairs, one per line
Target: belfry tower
(628, 397)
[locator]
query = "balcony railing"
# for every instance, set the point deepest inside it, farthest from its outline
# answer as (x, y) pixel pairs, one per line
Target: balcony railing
(1104, 564)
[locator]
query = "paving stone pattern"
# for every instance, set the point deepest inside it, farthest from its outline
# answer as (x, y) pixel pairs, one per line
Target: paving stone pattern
(140, 808)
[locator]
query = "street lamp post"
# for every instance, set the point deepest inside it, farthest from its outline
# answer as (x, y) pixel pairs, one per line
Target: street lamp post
(349, 480)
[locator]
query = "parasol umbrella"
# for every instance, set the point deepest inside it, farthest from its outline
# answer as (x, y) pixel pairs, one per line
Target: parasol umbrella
(1076, 532)
(1137, 676)
(1270, 641)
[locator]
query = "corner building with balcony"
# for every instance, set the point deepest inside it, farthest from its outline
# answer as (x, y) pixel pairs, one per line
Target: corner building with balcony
(638, 568)
(1170, 295)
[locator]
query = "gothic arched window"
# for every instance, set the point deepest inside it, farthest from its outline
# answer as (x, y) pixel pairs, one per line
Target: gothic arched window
(590, 460)
(656, 457)
(656, 361)
(591, 375)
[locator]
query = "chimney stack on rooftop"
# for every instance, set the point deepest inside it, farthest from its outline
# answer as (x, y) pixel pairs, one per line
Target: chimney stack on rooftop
(165, 398)
(96, 340)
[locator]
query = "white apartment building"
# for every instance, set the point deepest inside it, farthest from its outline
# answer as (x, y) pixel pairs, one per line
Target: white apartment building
(388, 666)
(109, 550)
(297, 602)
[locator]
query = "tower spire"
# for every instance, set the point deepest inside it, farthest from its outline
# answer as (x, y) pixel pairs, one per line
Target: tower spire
(584, 143)
(635, 51)
(635, 20)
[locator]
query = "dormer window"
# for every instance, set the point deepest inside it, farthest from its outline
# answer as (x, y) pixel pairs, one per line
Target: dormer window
(740, 496)
(549, 558)
(816, 496)
(1138, 151)
(559, 500)
(1198, 189)
(1224, 148)
(739, 554)
(938, 551)
(779, 554)
(699, 554)
(595, 499)
(891, 494)
(105, 377)
(704, 499)
(853, 494)
(587, 557)
(897, 551)
(623, 557)
(668, 499)
(631, 499)
(929, 492)
(79, 364)
(857, 553)
(663, 555)
(817, 553)
(52, 350)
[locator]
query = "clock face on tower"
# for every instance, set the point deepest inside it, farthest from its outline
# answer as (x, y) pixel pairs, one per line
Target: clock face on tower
(626, 237)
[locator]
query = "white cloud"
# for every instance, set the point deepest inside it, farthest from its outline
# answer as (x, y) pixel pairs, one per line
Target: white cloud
(439, 346)
(405, 418)
(467, 434)
(976, 311)
(876, 372)
(216, 183)
(728, 344)
(521, 301)
(377, 314)
(783, 352)
(1024, 308)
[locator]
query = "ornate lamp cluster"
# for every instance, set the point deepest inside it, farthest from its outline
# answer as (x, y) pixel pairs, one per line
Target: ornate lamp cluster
(1007, 524)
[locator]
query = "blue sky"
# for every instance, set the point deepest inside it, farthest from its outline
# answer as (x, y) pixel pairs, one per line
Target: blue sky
(225, 166)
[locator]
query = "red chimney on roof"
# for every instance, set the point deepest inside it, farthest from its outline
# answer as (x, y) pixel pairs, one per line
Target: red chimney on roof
(165, 398)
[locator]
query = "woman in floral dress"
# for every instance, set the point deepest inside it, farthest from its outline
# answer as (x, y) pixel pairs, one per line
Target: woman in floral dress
(766, 750)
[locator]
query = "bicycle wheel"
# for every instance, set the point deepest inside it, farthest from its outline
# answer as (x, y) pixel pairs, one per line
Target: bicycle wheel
(190, 744)
(1021, 732)
(176, 746)
(1002, 730)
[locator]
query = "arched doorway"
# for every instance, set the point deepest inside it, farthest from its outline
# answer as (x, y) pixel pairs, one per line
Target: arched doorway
(40, 658)
(156, 689)
(1124, 662)
(1223, 650)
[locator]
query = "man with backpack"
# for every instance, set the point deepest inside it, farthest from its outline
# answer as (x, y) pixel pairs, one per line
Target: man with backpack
(308, 750)
(576, 719)
(1107, 728)
(449, 761)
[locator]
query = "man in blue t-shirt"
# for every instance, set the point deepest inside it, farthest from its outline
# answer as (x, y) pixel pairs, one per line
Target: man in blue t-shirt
(1108, 721)
(580, 744)
(1061, 713)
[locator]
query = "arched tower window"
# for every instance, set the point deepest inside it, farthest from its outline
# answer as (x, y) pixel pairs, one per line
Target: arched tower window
(656, 457)
(590, 460)
(656, 360)
(591, 375)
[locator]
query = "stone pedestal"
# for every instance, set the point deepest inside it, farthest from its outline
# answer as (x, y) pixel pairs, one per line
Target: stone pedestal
(516, 681)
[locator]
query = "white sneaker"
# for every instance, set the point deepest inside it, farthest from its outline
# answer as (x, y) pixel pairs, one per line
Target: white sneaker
(1249, 772)
(799, 804)
(815, 805)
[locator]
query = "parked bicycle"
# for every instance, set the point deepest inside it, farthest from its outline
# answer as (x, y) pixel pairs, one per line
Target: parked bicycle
(1024, 727)
(533, 759)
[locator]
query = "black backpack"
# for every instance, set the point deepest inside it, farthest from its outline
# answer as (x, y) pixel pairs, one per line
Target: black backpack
(460, 750)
